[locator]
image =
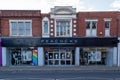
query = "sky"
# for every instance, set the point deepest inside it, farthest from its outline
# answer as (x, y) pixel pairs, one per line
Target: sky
(45, 5)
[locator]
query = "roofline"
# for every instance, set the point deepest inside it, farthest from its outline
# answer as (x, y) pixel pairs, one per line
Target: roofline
(96, 11)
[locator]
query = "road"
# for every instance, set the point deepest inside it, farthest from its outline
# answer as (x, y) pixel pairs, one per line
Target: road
(59, 75)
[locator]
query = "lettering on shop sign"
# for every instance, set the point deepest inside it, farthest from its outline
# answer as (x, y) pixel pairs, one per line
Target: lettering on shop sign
(59, 41)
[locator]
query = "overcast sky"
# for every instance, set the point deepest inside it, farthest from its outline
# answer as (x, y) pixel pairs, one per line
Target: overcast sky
(45, 5)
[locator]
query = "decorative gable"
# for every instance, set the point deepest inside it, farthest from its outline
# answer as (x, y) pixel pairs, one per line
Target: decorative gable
(63, 10)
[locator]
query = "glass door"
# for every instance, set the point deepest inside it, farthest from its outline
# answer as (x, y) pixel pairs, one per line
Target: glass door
(50, 58)
(62, 58)
(68, 58)
(53, 58)
(59, 58)
(56, 58)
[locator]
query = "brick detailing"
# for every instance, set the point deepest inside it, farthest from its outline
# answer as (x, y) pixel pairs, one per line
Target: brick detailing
(80, 29)
(33, 15)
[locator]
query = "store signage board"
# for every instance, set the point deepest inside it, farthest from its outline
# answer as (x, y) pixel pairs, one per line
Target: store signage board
(57, 41)
(79, 42)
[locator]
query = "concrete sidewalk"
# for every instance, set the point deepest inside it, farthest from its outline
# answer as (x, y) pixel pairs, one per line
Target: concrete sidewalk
(73, 68)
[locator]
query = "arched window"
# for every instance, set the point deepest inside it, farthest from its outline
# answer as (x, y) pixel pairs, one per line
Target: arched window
(45, 27)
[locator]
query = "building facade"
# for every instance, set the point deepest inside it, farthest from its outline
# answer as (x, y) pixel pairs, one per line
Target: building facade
(62, 37)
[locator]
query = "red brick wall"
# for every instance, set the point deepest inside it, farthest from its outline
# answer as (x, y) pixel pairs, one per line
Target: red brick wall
(81, 28)
(37, 17)
(19, 13)
(118, 24)
(36, 26)
(80, 25)
(33, 15)
(5, 27)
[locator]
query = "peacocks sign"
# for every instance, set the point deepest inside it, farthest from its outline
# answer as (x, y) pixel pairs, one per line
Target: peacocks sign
(80, 42)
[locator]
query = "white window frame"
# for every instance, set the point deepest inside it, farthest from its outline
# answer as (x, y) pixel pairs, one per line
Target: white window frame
(91, 30)
(64, 52)
(45, 34)
(107, 30)
(64, 19)
(17, 23)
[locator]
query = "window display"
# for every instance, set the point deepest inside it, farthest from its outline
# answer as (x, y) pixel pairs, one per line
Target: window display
(68, 55)
(59, 56)
(56, 55)
(20, 56)
(15, 56)
(62, 55)
(93, 56)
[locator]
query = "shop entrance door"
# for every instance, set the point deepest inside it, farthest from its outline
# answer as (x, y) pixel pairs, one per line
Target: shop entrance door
(53, 58)
(59, 58)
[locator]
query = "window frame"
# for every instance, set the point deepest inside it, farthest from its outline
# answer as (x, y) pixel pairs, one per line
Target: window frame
(107, 24)
(91, 28)
(70, 26)
(17, 21)
(107, 29)
(43, 29)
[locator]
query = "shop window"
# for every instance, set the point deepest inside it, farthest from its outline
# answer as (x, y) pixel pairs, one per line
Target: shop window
(56, 55)
(20, 28)
(93, 56)
(21, 56)
(59, 56)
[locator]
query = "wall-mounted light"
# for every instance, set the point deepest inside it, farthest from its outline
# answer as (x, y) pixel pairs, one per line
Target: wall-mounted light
(100, 32)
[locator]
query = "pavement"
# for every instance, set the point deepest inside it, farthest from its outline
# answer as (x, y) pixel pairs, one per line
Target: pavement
(71, 68)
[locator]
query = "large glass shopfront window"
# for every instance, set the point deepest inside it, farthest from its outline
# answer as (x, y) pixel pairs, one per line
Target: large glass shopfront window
(59, 56)
(93, 56)
(20, 56)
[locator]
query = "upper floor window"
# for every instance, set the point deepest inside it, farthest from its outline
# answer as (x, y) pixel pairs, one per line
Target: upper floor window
(63, 29)
(45, 24)
(107, 26)
(91, 26)
(20, 28)
(45, 27)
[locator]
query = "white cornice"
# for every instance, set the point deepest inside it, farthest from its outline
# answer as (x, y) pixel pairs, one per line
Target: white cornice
(63, 10)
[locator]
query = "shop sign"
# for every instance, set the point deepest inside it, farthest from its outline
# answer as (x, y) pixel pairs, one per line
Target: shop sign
(82, 42)
(44, 40)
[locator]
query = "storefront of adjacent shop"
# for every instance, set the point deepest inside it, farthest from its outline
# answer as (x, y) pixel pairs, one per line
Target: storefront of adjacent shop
(59, 51)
